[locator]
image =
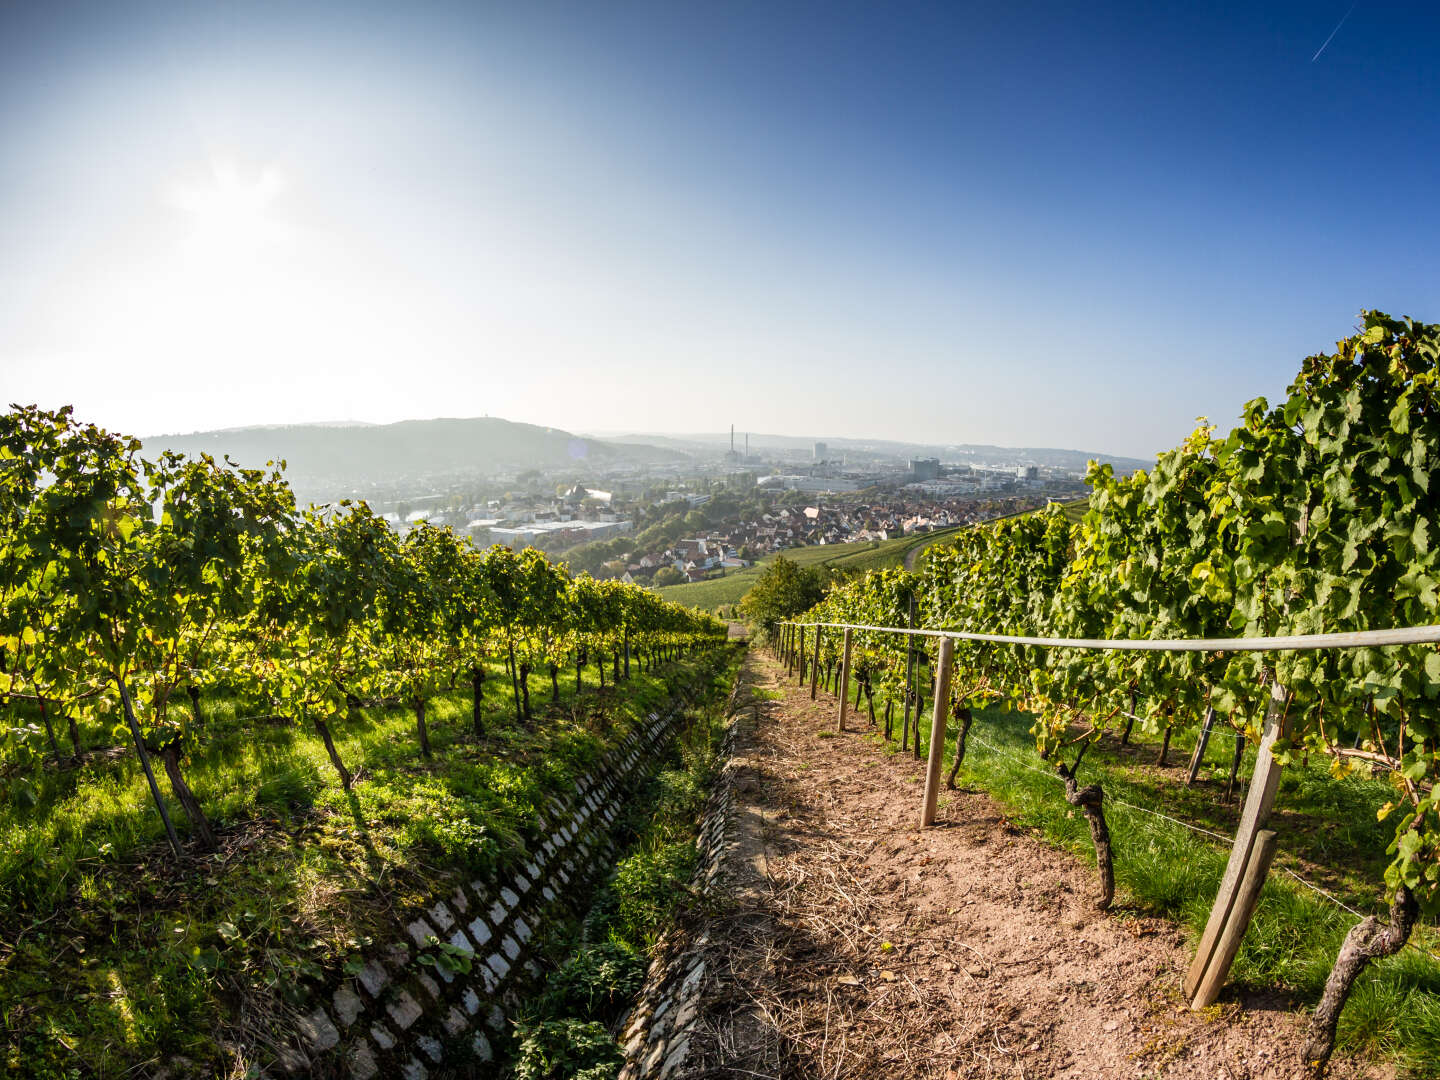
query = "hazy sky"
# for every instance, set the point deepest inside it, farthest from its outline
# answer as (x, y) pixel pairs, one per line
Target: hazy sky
(1052, 224)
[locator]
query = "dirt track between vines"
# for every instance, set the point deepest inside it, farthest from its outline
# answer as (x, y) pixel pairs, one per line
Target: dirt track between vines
(860, 946)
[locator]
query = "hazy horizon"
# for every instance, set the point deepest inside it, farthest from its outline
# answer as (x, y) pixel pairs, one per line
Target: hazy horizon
(709, 439)
(1022, 226)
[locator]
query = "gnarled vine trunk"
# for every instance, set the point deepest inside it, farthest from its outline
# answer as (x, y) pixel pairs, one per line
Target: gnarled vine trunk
(1369, 939)
(49, 728)
(194, 693)
(74, 734)
(477, 695)
(514, 679)
(323, 729)
(525, 689)
(144, 756)
(420, 730)
(1089, 799)
(964, 717)
(555, 683)
(170, 755)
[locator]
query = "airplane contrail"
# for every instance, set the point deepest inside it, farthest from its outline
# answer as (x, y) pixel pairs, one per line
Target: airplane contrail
(1333, 32)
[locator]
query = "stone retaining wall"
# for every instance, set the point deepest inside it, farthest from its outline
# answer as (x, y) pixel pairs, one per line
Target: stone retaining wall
(657, 1034)
(398, 1018)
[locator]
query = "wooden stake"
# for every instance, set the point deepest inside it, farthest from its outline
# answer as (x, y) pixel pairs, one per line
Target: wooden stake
(1227, 916)
(800, 667)
(1253, 880)
(909, 677)
(815, 665)
(844, 680)
(937, 732)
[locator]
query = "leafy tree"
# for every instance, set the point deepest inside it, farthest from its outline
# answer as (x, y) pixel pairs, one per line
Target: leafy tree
(783, 591)
(668, 575)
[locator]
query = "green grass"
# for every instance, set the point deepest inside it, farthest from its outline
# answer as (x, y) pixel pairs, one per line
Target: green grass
(1327, 832)
(114, 958)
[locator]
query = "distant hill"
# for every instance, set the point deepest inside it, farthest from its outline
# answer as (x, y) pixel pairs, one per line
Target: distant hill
(342, 456)
(873, 449)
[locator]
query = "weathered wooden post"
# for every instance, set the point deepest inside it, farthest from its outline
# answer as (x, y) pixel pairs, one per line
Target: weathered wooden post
(1252, 880)
(815, 664)
(800, 667)
(844, 679)
(937, 731)
(909, 679)
(1245, 872)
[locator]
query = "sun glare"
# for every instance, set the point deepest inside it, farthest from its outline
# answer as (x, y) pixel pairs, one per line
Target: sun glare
(230, 216)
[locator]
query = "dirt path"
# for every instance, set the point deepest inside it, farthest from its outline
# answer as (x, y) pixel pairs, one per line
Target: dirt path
(859, 946)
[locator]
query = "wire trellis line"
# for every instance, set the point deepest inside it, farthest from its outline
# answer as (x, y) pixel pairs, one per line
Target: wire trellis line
(1349, 639)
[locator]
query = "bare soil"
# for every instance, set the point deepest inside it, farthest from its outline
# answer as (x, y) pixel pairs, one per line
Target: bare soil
(859, 946)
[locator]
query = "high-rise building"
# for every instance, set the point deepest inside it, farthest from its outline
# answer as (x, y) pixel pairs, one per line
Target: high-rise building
(820, 451)
(924, 469)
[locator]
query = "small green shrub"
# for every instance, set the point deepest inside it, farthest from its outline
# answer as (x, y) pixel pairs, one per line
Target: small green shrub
(566, 1050)
(649, 884)
(598, 982)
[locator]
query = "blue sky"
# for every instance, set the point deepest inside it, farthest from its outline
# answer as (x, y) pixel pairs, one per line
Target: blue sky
(1026, 224)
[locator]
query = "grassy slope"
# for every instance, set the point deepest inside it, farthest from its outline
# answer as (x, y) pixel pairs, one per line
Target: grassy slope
(859, 556)
(112, 956)
(1328, 834)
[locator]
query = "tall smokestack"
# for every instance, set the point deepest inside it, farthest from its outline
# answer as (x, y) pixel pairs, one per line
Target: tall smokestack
(732, 440)
(747, 446)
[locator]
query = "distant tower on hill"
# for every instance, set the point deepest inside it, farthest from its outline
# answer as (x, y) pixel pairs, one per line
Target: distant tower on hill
(820, 451)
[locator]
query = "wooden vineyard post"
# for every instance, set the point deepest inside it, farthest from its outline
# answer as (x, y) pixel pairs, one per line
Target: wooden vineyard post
(815, 664)
(909, 678)
(1247, 867)
(937, 731)
(1200, 746)
(844, 679)
(800, 667)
